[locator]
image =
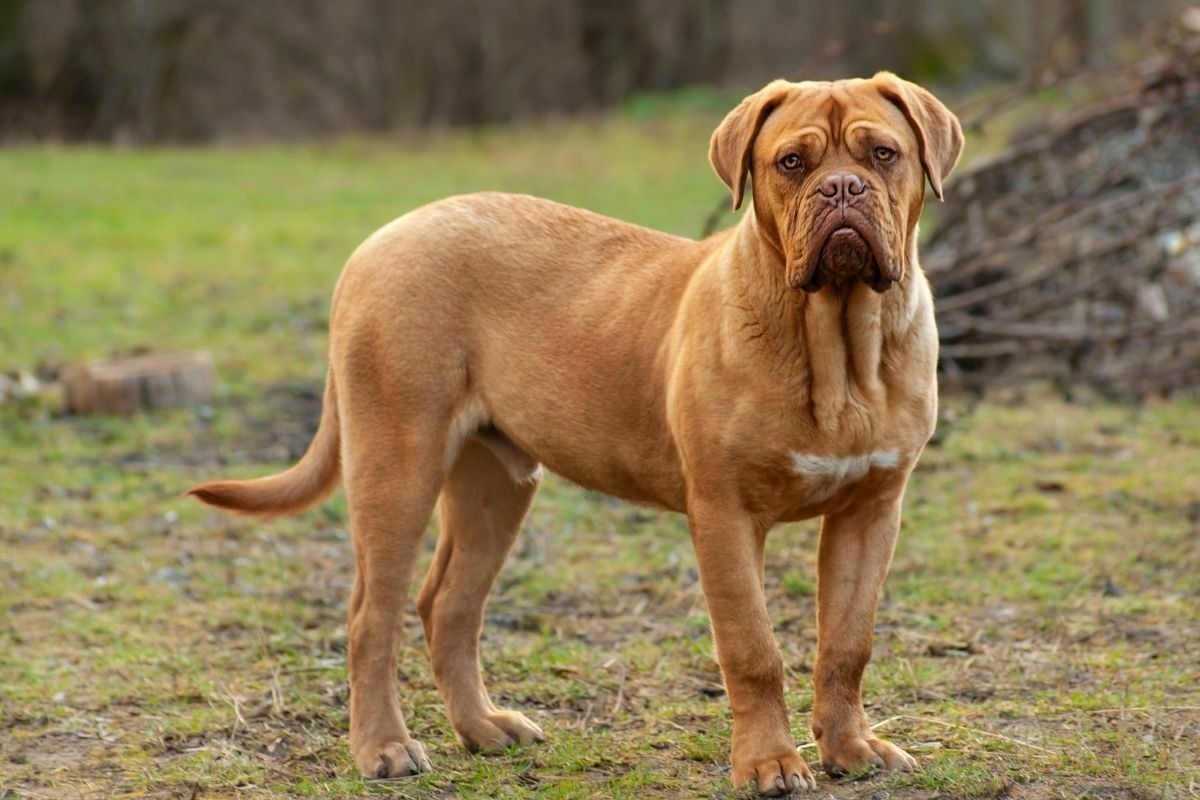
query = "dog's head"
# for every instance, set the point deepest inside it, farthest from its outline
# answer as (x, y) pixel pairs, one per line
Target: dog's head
(838, 172)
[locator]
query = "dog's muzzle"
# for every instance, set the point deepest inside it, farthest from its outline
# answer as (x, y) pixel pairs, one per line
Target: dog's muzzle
(844, 252)
(846, 256)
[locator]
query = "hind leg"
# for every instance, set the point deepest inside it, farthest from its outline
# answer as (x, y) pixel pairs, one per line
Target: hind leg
(480, 513)
(392, 476)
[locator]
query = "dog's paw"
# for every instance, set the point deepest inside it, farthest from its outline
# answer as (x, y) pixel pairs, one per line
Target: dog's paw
(392, 759)
(856, 755)
(774, 776)
(497, 730)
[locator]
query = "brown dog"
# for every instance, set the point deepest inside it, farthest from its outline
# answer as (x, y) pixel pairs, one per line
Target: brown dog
(780, 370)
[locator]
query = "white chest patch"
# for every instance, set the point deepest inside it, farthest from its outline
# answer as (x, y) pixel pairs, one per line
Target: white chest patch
(826, 475)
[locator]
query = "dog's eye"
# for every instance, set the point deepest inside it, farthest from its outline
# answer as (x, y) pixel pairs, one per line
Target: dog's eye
(791, 162)
(884, 155)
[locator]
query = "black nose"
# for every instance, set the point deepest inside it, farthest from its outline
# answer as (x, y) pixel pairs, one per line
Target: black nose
(842, 188)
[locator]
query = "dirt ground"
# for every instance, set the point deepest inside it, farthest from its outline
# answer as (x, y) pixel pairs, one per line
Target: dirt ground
(1039, 636)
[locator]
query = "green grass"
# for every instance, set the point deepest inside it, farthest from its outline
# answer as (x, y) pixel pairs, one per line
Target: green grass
(1037, 638)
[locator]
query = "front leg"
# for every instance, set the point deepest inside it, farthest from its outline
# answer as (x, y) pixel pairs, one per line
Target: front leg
(729, 552)
(854, 555)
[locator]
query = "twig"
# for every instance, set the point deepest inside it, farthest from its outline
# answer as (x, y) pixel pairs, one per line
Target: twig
(1141, 709)
(943, 723)
(620, 691)
(587, 715)
(276, 686)
(239, 720)
(879, 724)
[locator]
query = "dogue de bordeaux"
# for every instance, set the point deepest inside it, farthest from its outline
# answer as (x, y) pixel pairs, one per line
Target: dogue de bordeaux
(780, 370)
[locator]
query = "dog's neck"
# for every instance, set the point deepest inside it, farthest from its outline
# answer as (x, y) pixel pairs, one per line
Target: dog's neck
(837, 345)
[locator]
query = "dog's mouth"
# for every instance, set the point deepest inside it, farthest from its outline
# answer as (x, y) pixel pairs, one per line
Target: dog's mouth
(846, 255)
(851, 250)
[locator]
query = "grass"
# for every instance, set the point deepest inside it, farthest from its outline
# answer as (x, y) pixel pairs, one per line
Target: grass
(1038, 636)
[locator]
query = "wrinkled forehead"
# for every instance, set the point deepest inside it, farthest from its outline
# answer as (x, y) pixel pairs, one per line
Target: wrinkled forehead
(829, 109)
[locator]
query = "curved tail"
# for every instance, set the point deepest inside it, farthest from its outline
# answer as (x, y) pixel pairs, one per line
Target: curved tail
(310, 480)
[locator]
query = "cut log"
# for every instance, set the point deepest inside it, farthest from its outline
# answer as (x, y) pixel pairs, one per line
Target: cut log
(124, 385)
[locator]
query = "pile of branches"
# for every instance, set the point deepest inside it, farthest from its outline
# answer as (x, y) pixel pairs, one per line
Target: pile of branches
(1075, 255)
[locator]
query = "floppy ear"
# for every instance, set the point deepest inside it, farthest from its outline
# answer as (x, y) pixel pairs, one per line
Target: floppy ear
(733, 140)
(938, 133)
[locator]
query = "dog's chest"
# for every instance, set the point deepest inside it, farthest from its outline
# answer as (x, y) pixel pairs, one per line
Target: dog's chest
(812, 469)
(822, 477)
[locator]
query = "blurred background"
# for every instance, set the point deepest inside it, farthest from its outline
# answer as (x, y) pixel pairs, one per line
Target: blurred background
(180, 183)
(144, 71)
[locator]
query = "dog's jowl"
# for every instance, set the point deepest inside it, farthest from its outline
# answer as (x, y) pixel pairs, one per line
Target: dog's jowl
(780, 370)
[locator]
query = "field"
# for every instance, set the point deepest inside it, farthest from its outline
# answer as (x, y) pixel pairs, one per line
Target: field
(1039, 635)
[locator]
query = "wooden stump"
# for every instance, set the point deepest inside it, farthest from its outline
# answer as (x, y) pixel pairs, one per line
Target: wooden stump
(126, 384)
